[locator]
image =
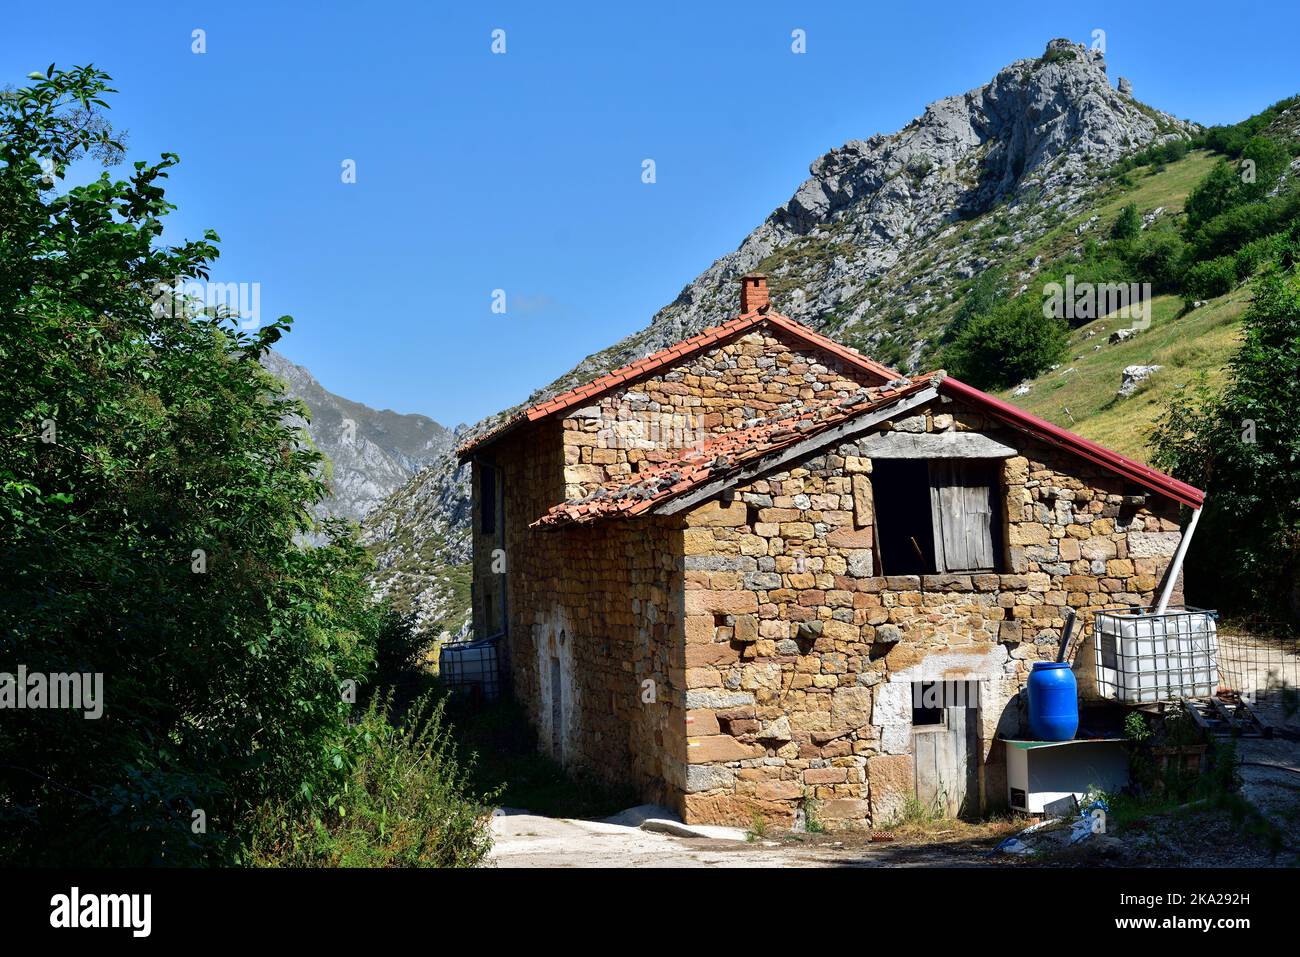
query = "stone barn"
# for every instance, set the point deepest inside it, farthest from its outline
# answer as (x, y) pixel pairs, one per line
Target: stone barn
(757, 569)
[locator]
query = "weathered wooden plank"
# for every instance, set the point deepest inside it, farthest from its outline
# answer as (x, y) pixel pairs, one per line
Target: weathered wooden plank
(934, 445)
(961, 506)
(955, 758)
(925, 752)
(940, 475)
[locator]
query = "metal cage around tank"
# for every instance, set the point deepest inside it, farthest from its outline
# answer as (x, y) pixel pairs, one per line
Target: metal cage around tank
(1144, 656)
(472, 669)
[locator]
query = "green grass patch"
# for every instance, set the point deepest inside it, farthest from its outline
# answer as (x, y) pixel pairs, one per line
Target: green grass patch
(1185, 344)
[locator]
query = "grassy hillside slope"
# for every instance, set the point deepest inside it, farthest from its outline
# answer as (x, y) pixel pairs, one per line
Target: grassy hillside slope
(1081, 395)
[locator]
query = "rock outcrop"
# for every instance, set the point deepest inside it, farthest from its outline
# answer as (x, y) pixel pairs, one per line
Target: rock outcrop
(1133, 376)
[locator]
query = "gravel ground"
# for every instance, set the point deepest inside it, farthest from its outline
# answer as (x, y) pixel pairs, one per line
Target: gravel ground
(529, 840)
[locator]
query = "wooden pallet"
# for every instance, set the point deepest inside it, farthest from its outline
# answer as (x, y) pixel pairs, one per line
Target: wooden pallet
(1236, 719)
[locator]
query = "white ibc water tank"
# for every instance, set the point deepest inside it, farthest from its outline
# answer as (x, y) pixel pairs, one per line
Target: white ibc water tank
(1143, 657)
(471, 668)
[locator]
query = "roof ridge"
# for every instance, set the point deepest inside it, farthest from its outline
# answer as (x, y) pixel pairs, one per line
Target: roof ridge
(662, 357)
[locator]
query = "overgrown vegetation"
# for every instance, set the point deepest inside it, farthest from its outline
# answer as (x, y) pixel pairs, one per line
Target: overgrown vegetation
(812, 815)
(403, 802)
(1242, 446)
(1237, 218)
(150, 496)
(1164, 786)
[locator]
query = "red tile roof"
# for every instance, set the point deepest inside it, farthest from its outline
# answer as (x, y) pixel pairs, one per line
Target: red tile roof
(694, 468)
(721, 454)
(667, 357)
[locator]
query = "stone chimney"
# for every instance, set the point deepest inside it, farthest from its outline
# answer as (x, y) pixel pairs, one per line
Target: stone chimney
(753, 292)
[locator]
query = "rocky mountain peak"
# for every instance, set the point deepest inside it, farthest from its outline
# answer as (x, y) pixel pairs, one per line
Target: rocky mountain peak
(1035, 140)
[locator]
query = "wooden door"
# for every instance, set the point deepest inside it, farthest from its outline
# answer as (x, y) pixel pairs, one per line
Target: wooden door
(944, 756)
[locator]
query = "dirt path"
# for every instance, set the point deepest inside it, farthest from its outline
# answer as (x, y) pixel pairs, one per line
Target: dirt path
(529, 840)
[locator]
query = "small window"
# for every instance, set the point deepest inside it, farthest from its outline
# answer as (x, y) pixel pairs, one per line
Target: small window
(927, 704)
(487, 499)
(939, 515)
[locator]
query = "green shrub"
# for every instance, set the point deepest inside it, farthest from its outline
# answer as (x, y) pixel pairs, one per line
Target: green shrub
(1212, 196)
(1157, 154)
(1128, 225)
(401, 799)
(1100, 267)
(1231, 140)
(1015, 341)
(1157, 258)
(1232, 229)
(891, 352)
(1250, 257)
(1136, 727)
(1206, 280)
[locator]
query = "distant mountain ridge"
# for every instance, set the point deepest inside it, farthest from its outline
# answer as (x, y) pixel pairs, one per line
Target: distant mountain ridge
(372, 452)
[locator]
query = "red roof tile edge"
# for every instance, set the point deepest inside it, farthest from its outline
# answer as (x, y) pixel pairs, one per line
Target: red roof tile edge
(694, 467)
(722, 453)
(657, 360)
(1143, 475)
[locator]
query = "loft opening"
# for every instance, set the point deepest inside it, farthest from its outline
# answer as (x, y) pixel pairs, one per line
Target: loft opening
(927, 704)
(938, 515)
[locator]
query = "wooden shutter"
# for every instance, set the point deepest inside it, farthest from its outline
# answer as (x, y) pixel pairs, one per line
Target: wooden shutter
(961, 508)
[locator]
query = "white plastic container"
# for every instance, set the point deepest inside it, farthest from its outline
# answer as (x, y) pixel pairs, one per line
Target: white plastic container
(1143, 657)
(471, 668)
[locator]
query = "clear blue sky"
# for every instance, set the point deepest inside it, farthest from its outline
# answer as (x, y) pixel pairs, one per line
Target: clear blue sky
(523, 172)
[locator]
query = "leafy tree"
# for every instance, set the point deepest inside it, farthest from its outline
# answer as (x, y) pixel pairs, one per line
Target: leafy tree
(980, 297)
(1206, 280)
(1235, 227)
(1214, 194)
(1248, 179)
(1128, 225)
(150, 494)
(1157, 258)
(1013, 342)
(1243, 447)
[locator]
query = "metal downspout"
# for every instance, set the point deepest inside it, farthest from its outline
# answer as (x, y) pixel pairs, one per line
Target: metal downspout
(1176, 565)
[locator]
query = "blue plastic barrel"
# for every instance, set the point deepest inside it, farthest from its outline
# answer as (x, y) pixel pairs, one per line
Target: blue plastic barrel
(1053, 702)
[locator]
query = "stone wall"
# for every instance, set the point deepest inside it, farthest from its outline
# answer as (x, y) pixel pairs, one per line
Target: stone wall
(600, 604)
(749, 656)
(799, 657)
(762, 373)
